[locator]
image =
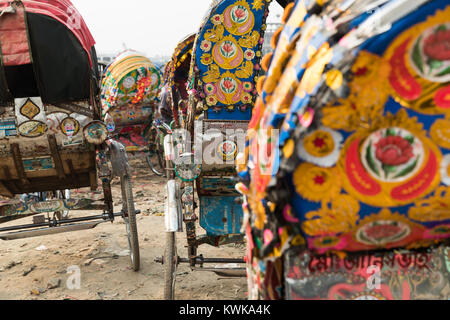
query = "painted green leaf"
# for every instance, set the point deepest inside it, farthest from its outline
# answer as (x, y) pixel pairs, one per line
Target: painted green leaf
(444, 72)
(388, 169)
(370, 160)
(435, 64)
(408, 169)
(410, 139)
(390, 132)
(417, 56)
(258, 243)
(364, 238)
(442, 27)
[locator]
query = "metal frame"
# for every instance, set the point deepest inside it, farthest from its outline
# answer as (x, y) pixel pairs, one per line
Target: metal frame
(119, 163)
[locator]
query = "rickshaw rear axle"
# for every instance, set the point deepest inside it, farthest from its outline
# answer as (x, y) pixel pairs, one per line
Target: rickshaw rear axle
(200, 260)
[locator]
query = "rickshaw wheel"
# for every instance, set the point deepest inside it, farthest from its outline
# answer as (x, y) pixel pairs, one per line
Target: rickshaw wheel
(64, 214)
(130, 221)
(155, 159)
(170, 266)
(155, 163)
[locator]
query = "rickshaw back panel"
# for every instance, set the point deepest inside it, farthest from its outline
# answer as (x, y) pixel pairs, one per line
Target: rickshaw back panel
(44, 150)
(46, 100)
(220, 215)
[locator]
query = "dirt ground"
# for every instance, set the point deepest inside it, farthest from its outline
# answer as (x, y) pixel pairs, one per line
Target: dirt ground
(42, 267)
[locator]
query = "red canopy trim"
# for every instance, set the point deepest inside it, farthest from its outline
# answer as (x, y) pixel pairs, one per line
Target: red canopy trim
(64, 12)
(14, 39)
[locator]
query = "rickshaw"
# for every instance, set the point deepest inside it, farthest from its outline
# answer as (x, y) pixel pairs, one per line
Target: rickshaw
(174, 98)
(129, 96)
(52, 134)
(221, 92)
(171, 111)
(346, 179)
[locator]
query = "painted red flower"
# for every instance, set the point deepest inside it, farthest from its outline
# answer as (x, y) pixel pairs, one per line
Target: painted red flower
(383, 231)
(437, 45)
(239, 13)
(228, 84)
(361, 71)
(394, 150)
(319, 142)
(227, 47)
(320, 180)
(227, 147)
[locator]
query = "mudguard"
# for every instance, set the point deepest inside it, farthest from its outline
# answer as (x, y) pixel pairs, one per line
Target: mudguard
(119, 159)
(172, 211)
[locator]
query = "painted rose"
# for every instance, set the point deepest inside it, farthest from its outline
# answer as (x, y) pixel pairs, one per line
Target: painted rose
(239, 13)
(394, 150)
(227, 147)
(228, 47)
(437, 45)
(228, 84)
(383, 231)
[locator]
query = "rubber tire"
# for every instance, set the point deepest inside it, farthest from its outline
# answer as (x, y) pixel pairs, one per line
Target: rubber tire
(170, 254)
(160, 171)
(128, 205)
(61, 194)
(159, 167)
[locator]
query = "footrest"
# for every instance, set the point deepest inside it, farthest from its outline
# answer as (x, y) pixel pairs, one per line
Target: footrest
(225, 271)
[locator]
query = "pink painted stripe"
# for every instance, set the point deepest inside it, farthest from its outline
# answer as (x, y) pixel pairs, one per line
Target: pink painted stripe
(13, 39)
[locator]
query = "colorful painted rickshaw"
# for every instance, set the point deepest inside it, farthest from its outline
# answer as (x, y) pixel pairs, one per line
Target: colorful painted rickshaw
(129, 96)
(176, 74)
(173, 101)
(347, 177)
(221, 93)
(52, 134)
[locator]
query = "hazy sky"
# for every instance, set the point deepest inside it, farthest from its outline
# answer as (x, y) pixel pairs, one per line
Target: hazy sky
(153, 27)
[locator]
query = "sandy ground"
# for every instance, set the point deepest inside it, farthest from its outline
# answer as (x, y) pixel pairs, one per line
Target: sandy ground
(41, 267)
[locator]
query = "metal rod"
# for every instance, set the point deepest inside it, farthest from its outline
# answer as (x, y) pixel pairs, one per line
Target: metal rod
(104, 217)
(212, 260)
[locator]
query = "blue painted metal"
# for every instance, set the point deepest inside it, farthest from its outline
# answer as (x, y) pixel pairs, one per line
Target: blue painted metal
(220, 215)
(224, 183)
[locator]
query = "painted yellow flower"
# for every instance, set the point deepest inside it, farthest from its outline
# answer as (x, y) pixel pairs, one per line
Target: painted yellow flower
(206, 45)
(246, 98)
(319, 144)
(217, 19)
(211, 100)
(206, 59)
(315, 183)
(258, 4)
